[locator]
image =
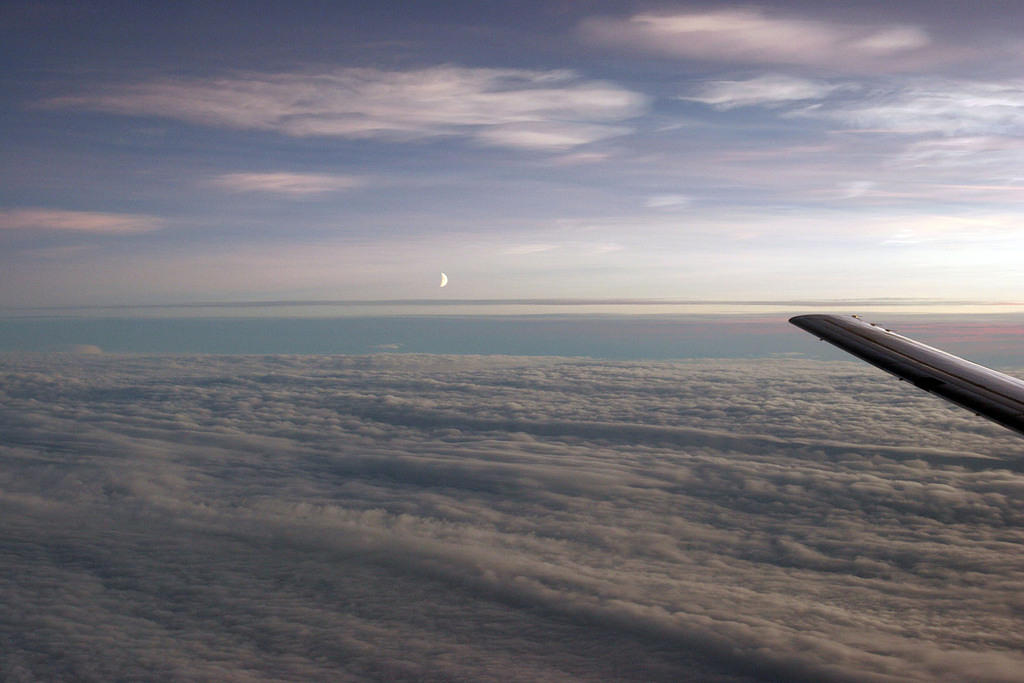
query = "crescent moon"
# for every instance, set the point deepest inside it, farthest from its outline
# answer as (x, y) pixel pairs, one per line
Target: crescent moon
(444, 279)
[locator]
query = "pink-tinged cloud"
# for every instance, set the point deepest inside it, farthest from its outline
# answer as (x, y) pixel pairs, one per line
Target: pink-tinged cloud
(767, 90)
(750, 36)
(296, 184)
(78, 221)
(513, 108)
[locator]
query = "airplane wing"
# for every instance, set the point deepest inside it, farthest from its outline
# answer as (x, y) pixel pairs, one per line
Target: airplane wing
(979, 389)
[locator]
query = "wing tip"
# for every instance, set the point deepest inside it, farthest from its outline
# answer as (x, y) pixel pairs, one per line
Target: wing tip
(809, 320)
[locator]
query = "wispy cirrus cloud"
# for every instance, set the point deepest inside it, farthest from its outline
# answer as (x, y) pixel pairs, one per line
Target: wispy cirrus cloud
(512, 108)
(956, 121)
(77, 221)
(668, 201)
(751, 36)
(547, 134)
(295, 184)
(935, 106)
(532, 248)
(767, 90)
(953, 150)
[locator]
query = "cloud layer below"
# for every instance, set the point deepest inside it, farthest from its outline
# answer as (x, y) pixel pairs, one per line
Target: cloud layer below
(430, 517)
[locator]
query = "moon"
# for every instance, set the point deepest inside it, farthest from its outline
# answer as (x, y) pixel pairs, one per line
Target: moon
(444, 279)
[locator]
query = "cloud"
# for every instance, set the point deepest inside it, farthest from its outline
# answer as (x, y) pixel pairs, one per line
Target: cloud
(91, 349)
(991, 229)
(959, 150)
(296, 184)
(856, 188)
(751, 36)
(934, 106)
(435, 517)
(575, 158)
(667, 201)
(520, 109)
(956, 123)
(547, 136)
(78, 221)
(767, 90)
(533, 248)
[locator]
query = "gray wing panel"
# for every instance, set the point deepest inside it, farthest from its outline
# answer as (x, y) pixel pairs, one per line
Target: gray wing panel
(984, 391)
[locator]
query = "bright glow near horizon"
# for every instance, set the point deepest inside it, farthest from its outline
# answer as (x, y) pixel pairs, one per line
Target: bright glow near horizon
(631, 152)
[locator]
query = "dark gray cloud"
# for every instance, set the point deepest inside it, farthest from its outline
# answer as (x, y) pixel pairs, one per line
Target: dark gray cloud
(499, 518)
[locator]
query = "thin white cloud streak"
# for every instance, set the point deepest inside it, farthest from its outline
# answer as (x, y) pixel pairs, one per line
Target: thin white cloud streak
(856, 188)
(941, 107)
(294, 184)
(766, 90)
(547, 135)
(78, 221)
(513, 108)
(668, 201)
(977, 112)
(937, 126)
(526, 249)
(751, 36)
(958, 151)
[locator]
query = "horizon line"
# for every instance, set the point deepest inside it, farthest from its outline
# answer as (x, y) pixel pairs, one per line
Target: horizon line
(569, 301)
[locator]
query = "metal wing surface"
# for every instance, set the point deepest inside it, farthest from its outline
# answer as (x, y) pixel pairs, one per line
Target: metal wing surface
(979, 389)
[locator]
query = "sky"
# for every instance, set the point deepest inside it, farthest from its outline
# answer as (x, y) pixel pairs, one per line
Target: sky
(424, 517)
(154, 154)
(248, 436)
